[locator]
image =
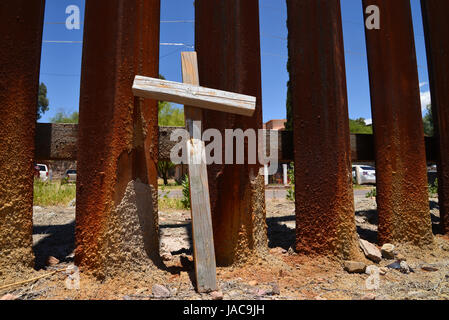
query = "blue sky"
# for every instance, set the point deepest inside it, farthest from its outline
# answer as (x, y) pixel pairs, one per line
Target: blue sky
(61, 62)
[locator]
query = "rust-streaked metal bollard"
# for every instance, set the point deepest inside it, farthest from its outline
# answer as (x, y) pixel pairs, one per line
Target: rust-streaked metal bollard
(116, 213)
(436, 27)
(402, 192)
(325, 219)
(21, 23)
(228, 46)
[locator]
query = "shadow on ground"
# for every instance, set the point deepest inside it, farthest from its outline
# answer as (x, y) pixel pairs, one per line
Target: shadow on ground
(59, 243)
(60, 239)
(279, 234)
(367, 229)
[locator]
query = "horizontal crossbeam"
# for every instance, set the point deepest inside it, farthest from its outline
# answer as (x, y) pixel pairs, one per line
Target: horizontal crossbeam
(194, 96)
(59, 142)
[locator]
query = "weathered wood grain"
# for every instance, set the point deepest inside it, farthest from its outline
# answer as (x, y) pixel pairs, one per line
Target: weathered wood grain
(194, 95)
(203, 239)
(202, 234)
(190, 75)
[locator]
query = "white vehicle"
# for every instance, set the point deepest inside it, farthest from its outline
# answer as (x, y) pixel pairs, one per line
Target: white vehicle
(43, 171)
(364, 174)
(70, 175)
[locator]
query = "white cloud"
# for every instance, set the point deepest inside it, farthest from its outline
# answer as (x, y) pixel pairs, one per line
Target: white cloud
(425, 99)
(422, 84)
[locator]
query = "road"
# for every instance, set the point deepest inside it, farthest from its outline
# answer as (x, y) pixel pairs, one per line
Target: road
(270, 193)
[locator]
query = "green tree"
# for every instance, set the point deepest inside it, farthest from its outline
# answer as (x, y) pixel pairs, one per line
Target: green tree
(170, 116)
(164, 168)
(42, 101)
(359, 126)
(62, 117)
(428, 122)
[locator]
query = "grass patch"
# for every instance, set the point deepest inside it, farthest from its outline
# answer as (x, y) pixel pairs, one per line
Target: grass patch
(169, 203)
(53, 193)
(372, 194)
(169, 187)
(360, 187)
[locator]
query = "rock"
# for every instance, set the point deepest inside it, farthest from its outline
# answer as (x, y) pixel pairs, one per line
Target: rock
(71, 269)
(253, 283)
(420, 294)
(160, 291)
(354, 267)
(141, 291)
(72, 203)
(275, 289)
(370, 251)
(261, 292)
(404, 267)
(278, 250)
(71, 255)
(383, 271)
(9, 297)
(372, 270)
(429, 268)
(369, 296)
(401, 266)
(395, 265)
(400, 257)
(216, 295)
(387, 251)
(167, 256)
(52, 261)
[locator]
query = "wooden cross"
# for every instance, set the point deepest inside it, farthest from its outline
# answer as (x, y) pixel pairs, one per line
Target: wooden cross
(195, 97)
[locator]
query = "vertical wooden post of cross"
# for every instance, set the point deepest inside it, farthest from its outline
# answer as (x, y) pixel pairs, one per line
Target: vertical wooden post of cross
(202, 234)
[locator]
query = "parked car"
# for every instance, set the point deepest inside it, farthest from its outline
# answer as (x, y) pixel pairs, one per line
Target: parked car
(364, 174)
(43, 171)
(70, 175)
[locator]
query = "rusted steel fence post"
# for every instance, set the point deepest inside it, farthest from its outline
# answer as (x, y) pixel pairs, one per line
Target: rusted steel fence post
(324, 199)
(228, 46)
(402, 195)
(436, 27)
(21, 23)
(116, 221)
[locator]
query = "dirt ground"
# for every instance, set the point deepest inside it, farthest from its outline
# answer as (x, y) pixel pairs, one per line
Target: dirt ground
(281, 275)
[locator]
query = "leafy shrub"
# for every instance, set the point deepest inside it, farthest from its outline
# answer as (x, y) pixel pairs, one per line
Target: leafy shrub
(291, 176)
(64, 180)
(186, 192)
(433, 188)
(372, 193)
